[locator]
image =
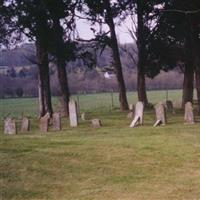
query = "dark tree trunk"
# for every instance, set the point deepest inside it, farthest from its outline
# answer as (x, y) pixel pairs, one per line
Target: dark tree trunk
(188, 85)
(116, 57)
(141, 86)
(45, 105)
(62, 73)
(64, 89)
(197, 77)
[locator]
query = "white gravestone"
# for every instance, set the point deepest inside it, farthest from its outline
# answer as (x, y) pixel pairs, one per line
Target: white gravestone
(73, 116)
(139, 110)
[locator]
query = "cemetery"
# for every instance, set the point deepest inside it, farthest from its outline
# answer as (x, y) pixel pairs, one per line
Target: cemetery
(99, 100)
(100, 154)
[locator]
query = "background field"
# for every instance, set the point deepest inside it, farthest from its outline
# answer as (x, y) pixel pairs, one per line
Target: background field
(89, 102)
(113, 162)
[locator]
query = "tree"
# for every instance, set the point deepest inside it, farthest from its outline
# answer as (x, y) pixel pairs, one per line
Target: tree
(34, 23)
(107, 11)
(61, 49)
(178, 29)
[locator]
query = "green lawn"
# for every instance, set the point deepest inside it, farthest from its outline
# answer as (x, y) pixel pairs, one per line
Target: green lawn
(112, 162)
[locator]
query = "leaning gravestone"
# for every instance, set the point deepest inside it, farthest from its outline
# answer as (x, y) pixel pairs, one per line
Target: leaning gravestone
(170, 106)
(10, 126)
(139, 109)
(25, 125)
(189, 115)
(160, 114)
(44, 123)
(57, 121)
(96, 123)
(73, 116)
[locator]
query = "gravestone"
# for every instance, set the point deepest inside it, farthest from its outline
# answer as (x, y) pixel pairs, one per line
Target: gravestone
(44, 123)
(25, 125)
(96, 123)
(10, 126)
(139, 110)
(189, 115)
(160, 115)
(57, 121)
(73, 116)
(83, 116)
(170, 106)
(131, 107)
(130, 115)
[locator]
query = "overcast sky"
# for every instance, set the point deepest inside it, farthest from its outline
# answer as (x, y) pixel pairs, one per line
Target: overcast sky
(85, 32)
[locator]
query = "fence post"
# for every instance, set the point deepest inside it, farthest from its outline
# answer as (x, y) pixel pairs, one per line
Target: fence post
(78, 103)
(112, 102)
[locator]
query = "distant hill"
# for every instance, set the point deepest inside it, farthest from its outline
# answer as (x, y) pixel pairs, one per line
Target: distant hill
(22, 56)
(18, 56)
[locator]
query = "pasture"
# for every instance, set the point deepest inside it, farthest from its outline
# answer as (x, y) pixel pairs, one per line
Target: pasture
(112, 162)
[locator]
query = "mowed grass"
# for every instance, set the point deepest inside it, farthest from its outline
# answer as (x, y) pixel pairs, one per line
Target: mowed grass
(112, 162)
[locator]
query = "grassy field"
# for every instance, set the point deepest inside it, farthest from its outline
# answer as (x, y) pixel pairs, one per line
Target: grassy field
(113, 162)
(90, 102)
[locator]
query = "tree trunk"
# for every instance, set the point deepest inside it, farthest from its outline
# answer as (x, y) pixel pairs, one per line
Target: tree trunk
(141, 86)
(116, 57)
(188, 85)
(197, 77)
(62, 73)
(43, 80)
(64, 89)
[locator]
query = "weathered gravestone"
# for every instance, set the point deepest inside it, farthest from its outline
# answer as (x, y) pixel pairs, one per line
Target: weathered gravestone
(73, 116)
(83, 116)
(139, 109)
(170, 106)
(160, 115)
(130, 115)
(10, 126)
(57, 121)
(189, 115)
(131, 107)
(96, 123)
(44, 123)
(25, 125)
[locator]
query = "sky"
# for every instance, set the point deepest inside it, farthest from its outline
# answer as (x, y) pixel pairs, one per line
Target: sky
(122, 32)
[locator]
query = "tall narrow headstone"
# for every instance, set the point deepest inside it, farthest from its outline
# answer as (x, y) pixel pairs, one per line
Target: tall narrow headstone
(189, 115)
(160, 115)
(57, 121)
(73, 116)
(25, 125)
(10, 126)
(44, 123)
(139, 110)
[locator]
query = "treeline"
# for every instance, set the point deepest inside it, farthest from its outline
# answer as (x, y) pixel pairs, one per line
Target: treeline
(83, 82)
